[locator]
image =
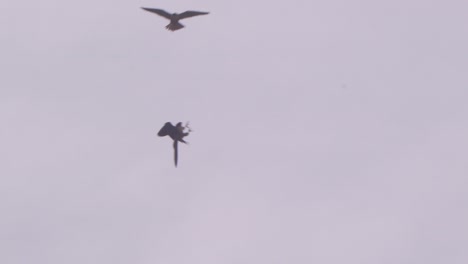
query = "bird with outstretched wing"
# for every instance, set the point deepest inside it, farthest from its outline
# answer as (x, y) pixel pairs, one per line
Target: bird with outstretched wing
(176, 133)
(174, 18)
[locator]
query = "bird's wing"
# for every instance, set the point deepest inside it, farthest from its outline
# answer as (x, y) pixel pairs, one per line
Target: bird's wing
(158, 11)
(166, 129)
(187, 14)
(175, 152)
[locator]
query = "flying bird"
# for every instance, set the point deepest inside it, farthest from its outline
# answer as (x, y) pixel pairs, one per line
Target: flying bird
(174, 18)
(176, 133)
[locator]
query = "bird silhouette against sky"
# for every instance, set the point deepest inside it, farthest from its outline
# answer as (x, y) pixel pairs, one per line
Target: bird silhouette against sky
(174, 18)
(176, 133)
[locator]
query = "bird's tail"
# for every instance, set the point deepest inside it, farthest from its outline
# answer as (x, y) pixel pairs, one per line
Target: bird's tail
(175, 153)
(174, 26)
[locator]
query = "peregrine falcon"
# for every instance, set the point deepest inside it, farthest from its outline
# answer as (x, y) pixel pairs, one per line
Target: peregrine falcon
(174, 18)
(176, 133)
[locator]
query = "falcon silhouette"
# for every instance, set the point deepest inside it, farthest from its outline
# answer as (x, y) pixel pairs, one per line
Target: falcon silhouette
(174, 18)
(176, 133)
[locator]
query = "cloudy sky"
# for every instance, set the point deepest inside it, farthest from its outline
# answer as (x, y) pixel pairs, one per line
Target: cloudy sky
(324, 132)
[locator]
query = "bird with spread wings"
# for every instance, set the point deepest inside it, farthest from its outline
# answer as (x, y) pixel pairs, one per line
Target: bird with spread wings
(174, 18)
(176, 133)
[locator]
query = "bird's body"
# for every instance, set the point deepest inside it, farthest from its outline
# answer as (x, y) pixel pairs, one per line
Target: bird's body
(175, 17)
(176, 133)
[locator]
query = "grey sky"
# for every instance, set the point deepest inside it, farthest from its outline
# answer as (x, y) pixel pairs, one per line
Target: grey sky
(324, 132)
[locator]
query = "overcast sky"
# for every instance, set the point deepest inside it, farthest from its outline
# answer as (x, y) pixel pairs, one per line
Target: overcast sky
(325, 132)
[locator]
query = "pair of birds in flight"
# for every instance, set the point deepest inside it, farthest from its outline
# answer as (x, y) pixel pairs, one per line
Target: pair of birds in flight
(174, 18)
(176, 132)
